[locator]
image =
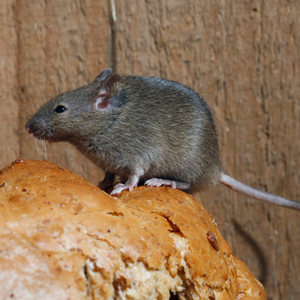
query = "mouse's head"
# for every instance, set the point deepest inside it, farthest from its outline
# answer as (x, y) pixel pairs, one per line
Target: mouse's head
(80, 112)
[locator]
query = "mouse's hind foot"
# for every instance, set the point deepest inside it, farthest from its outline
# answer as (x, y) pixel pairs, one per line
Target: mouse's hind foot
(164, 182)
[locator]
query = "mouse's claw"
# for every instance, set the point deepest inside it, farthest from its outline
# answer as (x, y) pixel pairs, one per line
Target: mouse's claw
(119, 188)
(129, 185)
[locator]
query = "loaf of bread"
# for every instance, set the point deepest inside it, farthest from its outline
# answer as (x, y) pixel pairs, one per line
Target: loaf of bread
(63, 238)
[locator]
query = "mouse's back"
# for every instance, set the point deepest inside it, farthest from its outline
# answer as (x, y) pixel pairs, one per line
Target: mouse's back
(170, 130)
(128, 125)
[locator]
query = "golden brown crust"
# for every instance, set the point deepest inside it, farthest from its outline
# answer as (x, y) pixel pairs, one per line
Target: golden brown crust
(61, 237)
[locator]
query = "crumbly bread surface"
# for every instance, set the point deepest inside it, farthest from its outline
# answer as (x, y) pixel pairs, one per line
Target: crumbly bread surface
(63, 238)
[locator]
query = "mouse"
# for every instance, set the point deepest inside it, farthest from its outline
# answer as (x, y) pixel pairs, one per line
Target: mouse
(148, 130)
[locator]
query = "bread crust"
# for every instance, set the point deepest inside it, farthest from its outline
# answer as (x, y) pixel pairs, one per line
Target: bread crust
(63, 238)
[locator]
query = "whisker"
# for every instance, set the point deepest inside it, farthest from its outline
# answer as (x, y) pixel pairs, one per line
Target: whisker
(10, 119)
(28, 108)
(19, 143)
(37, 144)
(30, 101)
(61, 147)
(45, 144)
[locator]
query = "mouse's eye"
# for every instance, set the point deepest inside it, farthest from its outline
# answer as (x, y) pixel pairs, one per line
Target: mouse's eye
(60, 109)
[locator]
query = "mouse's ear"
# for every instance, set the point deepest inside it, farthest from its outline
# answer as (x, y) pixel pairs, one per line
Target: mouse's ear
(102, 76)
(112, 83)
(105, 98)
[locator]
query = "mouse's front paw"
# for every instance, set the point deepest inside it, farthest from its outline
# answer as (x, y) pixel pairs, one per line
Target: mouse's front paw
(120, 187)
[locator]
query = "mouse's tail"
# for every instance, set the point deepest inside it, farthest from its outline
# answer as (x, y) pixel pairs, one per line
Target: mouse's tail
(257, 194)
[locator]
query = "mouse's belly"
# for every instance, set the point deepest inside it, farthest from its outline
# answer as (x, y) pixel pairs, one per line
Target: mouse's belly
(187, 166)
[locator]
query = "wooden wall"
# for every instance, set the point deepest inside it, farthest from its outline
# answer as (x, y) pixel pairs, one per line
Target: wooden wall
(242, 56)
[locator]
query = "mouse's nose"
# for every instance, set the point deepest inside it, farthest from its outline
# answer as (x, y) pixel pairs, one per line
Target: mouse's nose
(29, 129)
(30, 126)
(38, 128)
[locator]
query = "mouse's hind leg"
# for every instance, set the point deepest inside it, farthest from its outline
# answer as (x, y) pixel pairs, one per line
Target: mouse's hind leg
(164, 182)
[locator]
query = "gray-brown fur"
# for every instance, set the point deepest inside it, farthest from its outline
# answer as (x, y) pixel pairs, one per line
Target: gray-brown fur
(159, 125)
(137, 127)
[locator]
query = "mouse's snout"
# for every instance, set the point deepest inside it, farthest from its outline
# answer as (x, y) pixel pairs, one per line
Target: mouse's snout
(38, 128)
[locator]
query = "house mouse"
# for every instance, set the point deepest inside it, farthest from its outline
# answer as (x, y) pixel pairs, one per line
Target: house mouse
(146, 129)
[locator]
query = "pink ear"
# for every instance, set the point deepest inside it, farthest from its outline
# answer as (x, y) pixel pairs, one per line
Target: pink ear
(99, 101)
(106, 98)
